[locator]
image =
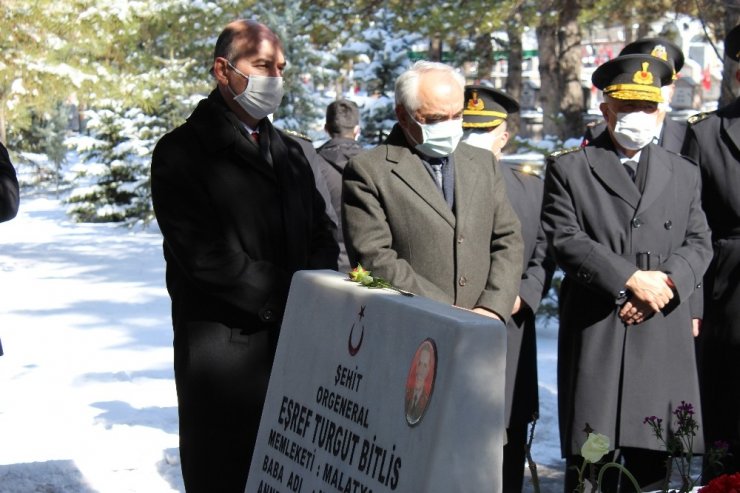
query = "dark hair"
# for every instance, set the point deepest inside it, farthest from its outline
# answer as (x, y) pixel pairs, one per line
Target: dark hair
(342, 116)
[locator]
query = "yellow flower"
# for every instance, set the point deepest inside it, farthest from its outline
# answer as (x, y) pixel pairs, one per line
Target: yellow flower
(360, 275)
(596, 446)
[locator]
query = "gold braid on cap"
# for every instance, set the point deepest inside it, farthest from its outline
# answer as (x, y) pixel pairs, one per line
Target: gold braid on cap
(490, 124)
(634, 91)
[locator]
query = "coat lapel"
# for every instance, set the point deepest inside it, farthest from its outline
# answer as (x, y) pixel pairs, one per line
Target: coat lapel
(659, 173)
(466, 181)
(605, 164)
(732, 129)
(411, 171)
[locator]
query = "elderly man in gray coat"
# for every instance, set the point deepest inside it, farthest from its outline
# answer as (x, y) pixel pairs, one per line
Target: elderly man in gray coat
(429, 215)
(624, 219)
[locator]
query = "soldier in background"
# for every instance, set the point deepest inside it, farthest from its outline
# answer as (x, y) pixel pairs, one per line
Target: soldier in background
(713, 140)
(484, 120)
(343, 126)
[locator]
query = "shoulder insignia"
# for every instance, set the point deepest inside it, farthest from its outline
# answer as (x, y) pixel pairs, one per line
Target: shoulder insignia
(297, 135)
(528, 169)
(693, 119)
(562, 152)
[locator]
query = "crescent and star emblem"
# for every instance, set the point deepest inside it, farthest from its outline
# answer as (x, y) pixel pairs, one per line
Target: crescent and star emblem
(353, 350)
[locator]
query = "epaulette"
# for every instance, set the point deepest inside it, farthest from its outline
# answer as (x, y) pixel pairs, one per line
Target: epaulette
(562, 152)
(528, 169)
(699, 117)
(298, 135)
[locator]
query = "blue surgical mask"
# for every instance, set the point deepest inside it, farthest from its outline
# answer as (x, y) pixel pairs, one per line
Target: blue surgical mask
(439, 139)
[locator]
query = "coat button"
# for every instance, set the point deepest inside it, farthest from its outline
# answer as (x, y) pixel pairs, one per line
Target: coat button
(462, 281)
(668, 224)
(267, 315)
(460, 239)
(636, 222)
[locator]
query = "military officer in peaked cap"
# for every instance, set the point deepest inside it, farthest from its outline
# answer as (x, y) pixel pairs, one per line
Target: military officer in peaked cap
(713, 140)
(624, 221)
(669, 133)
(485, 125)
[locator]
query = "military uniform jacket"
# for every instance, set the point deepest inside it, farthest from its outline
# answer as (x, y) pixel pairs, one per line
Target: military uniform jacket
(522, 396)
(238, 220)
(714, 142)
(597, 222)
(398, 225)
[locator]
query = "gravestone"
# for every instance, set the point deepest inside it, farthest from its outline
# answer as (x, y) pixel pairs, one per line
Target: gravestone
(685, 95)
(375, 391)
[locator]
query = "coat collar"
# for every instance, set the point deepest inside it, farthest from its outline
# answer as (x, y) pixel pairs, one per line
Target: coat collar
(408, 167)
(218, 130)
(731, 127)
(604, 161)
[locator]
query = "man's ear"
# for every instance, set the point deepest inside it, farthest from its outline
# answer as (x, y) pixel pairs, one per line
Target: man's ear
(220, 67)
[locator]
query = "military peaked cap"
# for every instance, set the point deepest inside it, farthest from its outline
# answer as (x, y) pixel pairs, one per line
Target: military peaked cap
(635, 77)
(486, 107)
(657, 47)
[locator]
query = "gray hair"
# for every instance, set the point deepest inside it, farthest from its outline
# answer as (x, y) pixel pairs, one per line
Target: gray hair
(407, 84)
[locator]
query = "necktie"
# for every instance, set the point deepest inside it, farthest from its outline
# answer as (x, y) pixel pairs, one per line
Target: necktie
(631, 167)
(256, 137)
(437, 169)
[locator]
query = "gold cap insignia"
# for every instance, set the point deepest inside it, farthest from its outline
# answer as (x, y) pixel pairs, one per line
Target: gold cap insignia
(643, 76)
(474, 103)
(660, 52)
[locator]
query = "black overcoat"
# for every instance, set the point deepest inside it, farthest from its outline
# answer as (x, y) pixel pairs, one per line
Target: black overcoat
(714, 142)
(235, 227)
(609, 375)
(522, 396)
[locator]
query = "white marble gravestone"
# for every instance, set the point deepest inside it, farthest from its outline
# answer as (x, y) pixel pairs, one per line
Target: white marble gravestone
(373, 391)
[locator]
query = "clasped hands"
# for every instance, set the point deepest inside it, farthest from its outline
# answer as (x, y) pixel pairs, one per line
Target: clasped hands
(651, 291)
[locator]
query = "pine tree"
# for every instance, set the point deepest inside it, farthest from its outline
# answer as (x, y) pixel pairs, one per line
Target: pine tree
(386, 49)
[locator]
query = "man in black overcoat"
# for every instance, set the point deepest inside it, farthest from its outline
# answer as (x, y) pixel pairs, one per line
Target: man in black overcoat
(670, 133)
(624, 221)
(236, 202)
(713, 140)
(485, 123)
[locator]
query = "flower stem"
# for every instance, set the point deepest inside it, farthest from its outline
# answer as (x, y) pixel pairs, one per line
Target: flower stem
(623, 469)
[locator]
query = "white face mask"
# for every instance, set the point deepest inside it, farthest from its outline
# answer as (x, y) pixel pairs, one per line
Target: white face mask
(635, 130)
(481, 140)
(261, 97)
(439, 139)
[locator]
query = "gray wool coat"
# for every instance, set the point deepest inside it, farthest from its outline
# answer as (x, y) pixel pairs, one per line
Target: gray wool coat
(398, 225)
(611, 376)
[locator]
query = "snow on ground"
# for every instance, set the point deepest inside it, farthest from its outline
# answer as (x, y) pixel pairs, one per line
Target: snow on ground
(87, 395)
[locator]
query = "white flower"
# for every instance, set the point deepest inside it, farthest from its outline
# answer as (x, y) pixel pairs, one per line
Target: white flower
(596, 446)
